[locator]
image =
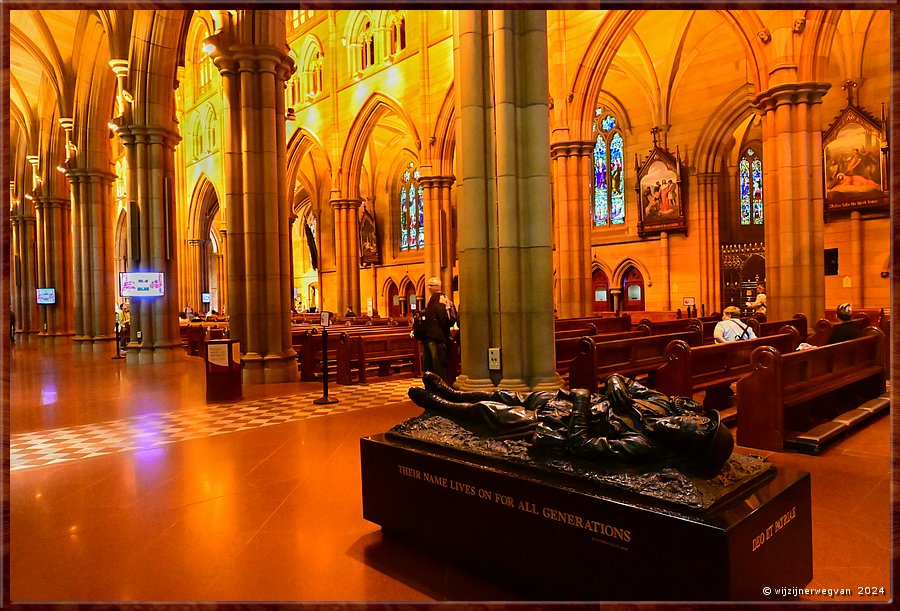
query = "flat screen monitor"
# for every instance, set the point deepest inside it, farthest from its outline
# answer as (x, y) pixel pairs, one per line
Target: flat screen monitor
(205, 297)
(141, 284)
(46, 296)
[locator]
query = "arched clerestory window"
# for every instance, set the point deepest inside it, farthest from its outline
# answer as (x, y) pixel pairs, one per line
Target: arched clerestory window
(205, 69)
(609, 170)
(210, 130)
(366, 46)
(198, 138)
(412, 210)
(398, 33)
(750, 183)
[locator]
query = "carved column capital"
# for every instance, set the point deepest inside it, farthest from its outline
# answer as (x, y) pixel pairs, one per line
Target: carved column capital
(570, 149)
(791, 94)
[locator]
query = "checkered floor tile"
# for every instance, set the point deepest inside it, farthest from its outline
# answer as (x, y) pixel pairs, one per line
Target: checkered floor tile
(48, 447)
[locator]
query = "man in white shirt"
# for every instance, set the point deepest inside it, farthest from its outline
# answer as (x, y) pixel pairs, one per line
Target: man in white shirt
(731, 328)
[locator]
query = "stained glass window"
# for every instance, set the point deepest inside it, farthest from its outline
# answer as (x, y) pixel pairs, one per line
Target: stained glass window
(750, 175)
(609, 170)
(412, 210)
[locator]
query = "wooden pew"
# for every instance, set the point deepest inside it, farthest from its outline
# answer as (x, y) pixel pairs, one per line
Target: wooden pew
(660, 327)
(588, 329)
(712, 368)
(872, 315)
(788, 392)
(567, 347)
(386, 350)
(602, 324)
(799, 322)
(656, 316)
(822, 330)
(631, 357)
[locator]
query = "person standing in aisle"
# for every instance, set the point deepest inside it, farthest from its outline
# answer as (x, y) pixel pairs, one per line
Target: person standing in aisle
(440, 315)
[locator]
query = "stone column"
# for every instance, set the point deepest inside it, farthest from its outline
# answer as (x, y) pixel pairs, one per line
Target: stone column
(505, 252)
(615, 295)
(92, 231)
(346, 246)
(792, 183)
(198, 268)
(22, 264)
(54, 243)
(572, 227)
(150, 214)
(707, 189)
(251, 54)
(439, 252)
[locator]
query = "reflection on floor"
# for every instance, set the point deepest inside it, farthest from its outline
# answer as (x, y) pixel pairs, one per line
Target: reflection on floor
(126, 486)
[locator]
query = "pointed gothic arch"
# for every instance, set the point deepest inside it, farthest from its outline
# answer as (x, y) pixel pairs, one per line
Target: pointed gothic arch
(367, 118)
(443, 148)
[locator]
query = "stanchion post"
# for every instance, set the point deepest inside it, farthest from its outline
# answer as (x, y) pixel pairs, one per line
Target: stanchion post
(325, 319)
(118, 342)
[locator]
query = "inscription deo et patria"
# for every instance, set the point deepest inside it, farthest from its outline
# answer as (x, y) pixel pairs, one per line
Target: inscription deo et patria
(578, 521)
(760, 539)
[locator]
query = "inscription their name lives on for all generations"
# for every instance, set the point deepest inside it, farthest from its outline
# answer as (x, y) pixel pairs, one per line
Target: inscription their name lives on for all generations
(522, 505)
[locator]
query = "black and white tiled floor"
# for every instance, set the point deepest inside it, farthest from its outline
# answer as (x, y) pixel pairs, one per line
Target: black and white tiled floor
(47, 447)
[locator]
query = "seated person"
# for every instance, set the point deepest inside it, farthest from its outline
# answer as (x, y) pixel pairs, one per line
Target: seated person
(844, 330)
(731, 328)
(629, 422)
(349, 313)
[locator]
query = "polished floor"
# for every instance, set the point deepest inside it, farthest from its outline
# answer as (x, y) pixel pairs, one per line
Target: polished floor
(125, 485)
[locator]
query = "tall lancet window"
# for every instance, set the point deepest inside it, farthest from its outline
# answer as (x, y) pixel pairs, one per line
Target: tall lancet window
(412, 210)
(609, 170)
(750, 173)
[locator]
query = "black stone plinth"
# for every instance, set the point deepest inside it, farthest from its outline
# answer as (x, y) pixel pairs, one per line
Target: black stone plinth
(553, 540)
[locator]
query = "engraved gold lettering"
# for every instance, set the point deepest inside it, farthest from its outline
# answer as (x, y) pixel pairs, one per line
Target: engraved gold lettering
(407, 471)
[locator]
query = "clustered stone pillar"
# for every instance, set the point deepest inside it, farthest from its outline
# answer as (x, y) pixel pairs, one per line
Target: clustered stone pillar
(439, 253)
(54, 243)
(92, 217)
(251, 54)
(505, 252)
(23, 226)
(198, 272)
(571, 163)
(54, 250)
(346, 256)
(149, 151)
(792, 183)
(707, 189)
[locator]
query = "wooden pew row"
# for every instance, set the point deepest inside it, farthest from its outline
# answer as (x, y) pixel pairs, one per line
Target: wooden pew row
(567, 347)
(823, 328)
(603, 325)
(872, 315)
(786, 393)
(713, 368)
(660, 327)
(798, 321)
(388, 352)
(656, 316)
(306, 340)
(631, 357)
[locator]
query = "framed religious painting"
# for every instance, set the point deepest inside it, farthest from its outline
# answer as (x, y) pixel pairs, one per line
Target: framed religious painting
(369, 253)
(854, 163)
(661, 193)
